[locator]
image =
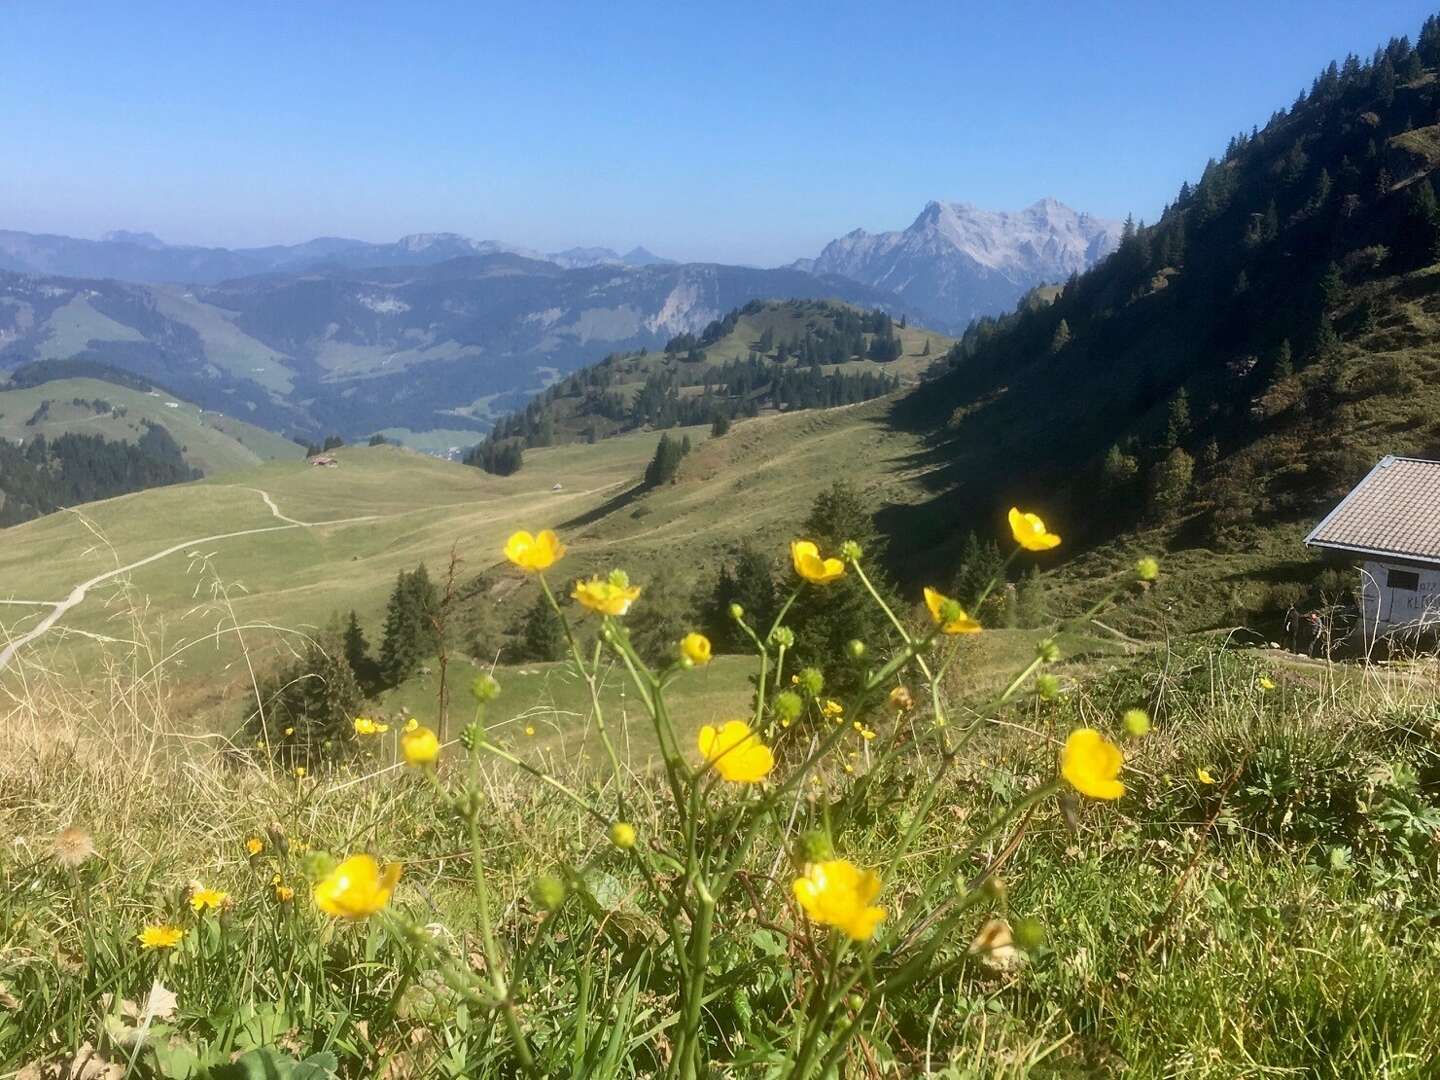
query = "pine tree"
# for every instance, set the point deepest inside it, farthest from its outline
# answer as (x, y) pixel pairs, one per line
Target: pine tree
(1177, 423)
(409, 637)
(980, 570)
(1332, 287)
(1169, 485)
(1284, 364)
(542, 637)
(656, 626)
(720, 425)
(1061, 338)
(1030, 607)
(926, 351)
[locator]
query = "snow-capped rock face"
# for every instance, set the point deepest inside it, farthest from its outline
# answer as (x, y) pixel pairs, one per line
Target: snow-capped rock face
(957, 261)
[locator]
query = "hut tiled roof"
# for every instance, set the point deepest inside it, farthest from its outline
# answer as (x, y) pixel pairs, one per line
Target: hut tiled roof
(1394, 511)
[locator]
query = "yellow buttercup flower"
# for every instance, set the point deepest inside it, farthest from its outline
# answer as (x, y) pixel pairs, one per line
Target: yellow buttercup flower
(410, 725)
(832, 709)
(949, 615)
(534, 553)
(299, 772)
(421, 746)
(607, 596)
(1203, 775)
(695, 648)
(1091, 763)
(736, 752)
(810, 566)
(357, 888)
(1030, 532)
(254, 845)
(203, 900)
(838, 893)
(365, 726)
(161, 936)
(1266, 683)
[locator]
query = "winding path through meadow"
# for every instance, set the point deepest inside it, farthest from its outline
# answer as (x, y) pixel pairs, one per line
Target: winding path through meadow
(77, 594)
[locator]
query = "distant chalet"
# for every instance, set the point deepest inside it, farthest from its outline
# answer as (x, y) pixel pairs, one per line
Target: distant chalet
(1391, 522)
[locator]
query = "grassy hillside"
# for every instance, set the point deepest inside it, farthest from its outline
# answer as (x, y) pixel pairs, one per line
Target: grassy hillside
(212, 442)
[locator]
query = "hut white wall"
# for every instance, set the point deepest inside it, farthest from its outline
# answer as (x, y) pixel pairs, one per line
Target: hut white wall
(1385, 606)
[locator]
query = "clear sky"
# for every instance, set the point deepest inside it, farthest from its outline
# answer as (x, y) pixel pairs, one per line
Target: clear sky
(729, 131)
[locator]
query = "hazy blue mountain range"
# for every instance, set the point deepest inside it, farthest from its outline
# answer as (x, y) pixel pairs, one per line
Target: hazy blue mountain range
(444, 345)
(956, 261)
(144, 257)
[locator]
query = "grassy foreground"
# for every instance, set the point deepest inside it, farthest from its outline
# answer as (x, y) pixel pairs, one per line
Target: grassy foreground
(1260, 902)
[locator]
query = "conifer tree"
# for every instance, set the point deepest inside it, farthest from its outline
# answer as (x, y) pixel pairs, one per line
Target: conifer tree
(409, 637)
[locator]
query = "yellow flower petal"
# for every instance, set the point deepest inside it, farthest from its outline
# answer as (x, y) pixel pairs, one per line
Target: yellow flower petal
(161, 936)
(838, 893)
(736, 752)
(695, 648)
(534, 553)
(959, 624)
(1203, 775)
(1030, 532)
(605, 597)
(1091, 763)
(357, 888)
(805, 555)
(420, 746)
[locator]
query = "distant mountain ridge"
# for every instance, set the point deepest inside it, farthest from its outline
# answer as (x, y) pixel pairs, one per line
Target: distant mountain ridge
(445, 345)
(956, 262)
(144, 258)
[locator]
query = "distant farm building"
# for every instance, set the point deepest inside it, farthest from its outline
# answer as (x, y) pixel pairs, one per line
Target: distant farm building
(1391, 523)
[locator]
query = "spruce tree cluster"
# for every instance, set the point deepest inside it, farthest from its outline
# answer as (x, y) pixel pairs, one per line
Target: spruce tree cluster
(410, 636)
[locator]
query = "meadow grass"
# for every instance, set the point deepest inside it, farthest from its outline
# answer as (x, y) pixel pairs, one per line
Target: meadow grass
(1260, 902)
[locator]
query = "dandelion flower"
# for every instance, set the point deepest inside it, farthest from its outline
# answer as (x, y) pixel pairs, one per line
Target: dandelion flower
(254, 846)
(607, 596)
(357, 888)
(284, 894)
(695, 648)
(838, 893)
(420, 746)
(365, 726)
(1030, 532)
(160, 936)
(810, 566)
(736, 752)
(534, 553)
(1203, 775)
(1091, 763)
(1266, 683)
(203, 899)
(949, 615)
(72, 847)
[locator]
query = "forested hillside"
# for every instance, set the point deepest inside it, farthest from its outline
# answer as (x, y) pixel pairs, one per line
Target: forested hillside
(768, 355)
(1234, 366)
(44, 475)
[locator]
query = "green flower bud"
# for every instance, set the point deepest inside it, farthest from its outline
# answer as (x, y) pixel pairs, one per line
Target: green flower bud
(685, 662)
(737, 612)
(1137, 722)
(856, 1002)
(815, 846)
(850, 550)
(1147, 569)
(856, 648)
(788, 706)
(620, 579)
(1048, 651)
(547, 891)
(1047, 686)
(810, 681)
(472, 734)
(1027, 933)
(622, 835)
(485, 688)
(782, 637)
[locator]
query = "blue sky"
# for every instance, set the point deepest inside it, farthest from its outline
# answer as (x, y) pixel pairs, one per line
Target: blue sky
(736, 132)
